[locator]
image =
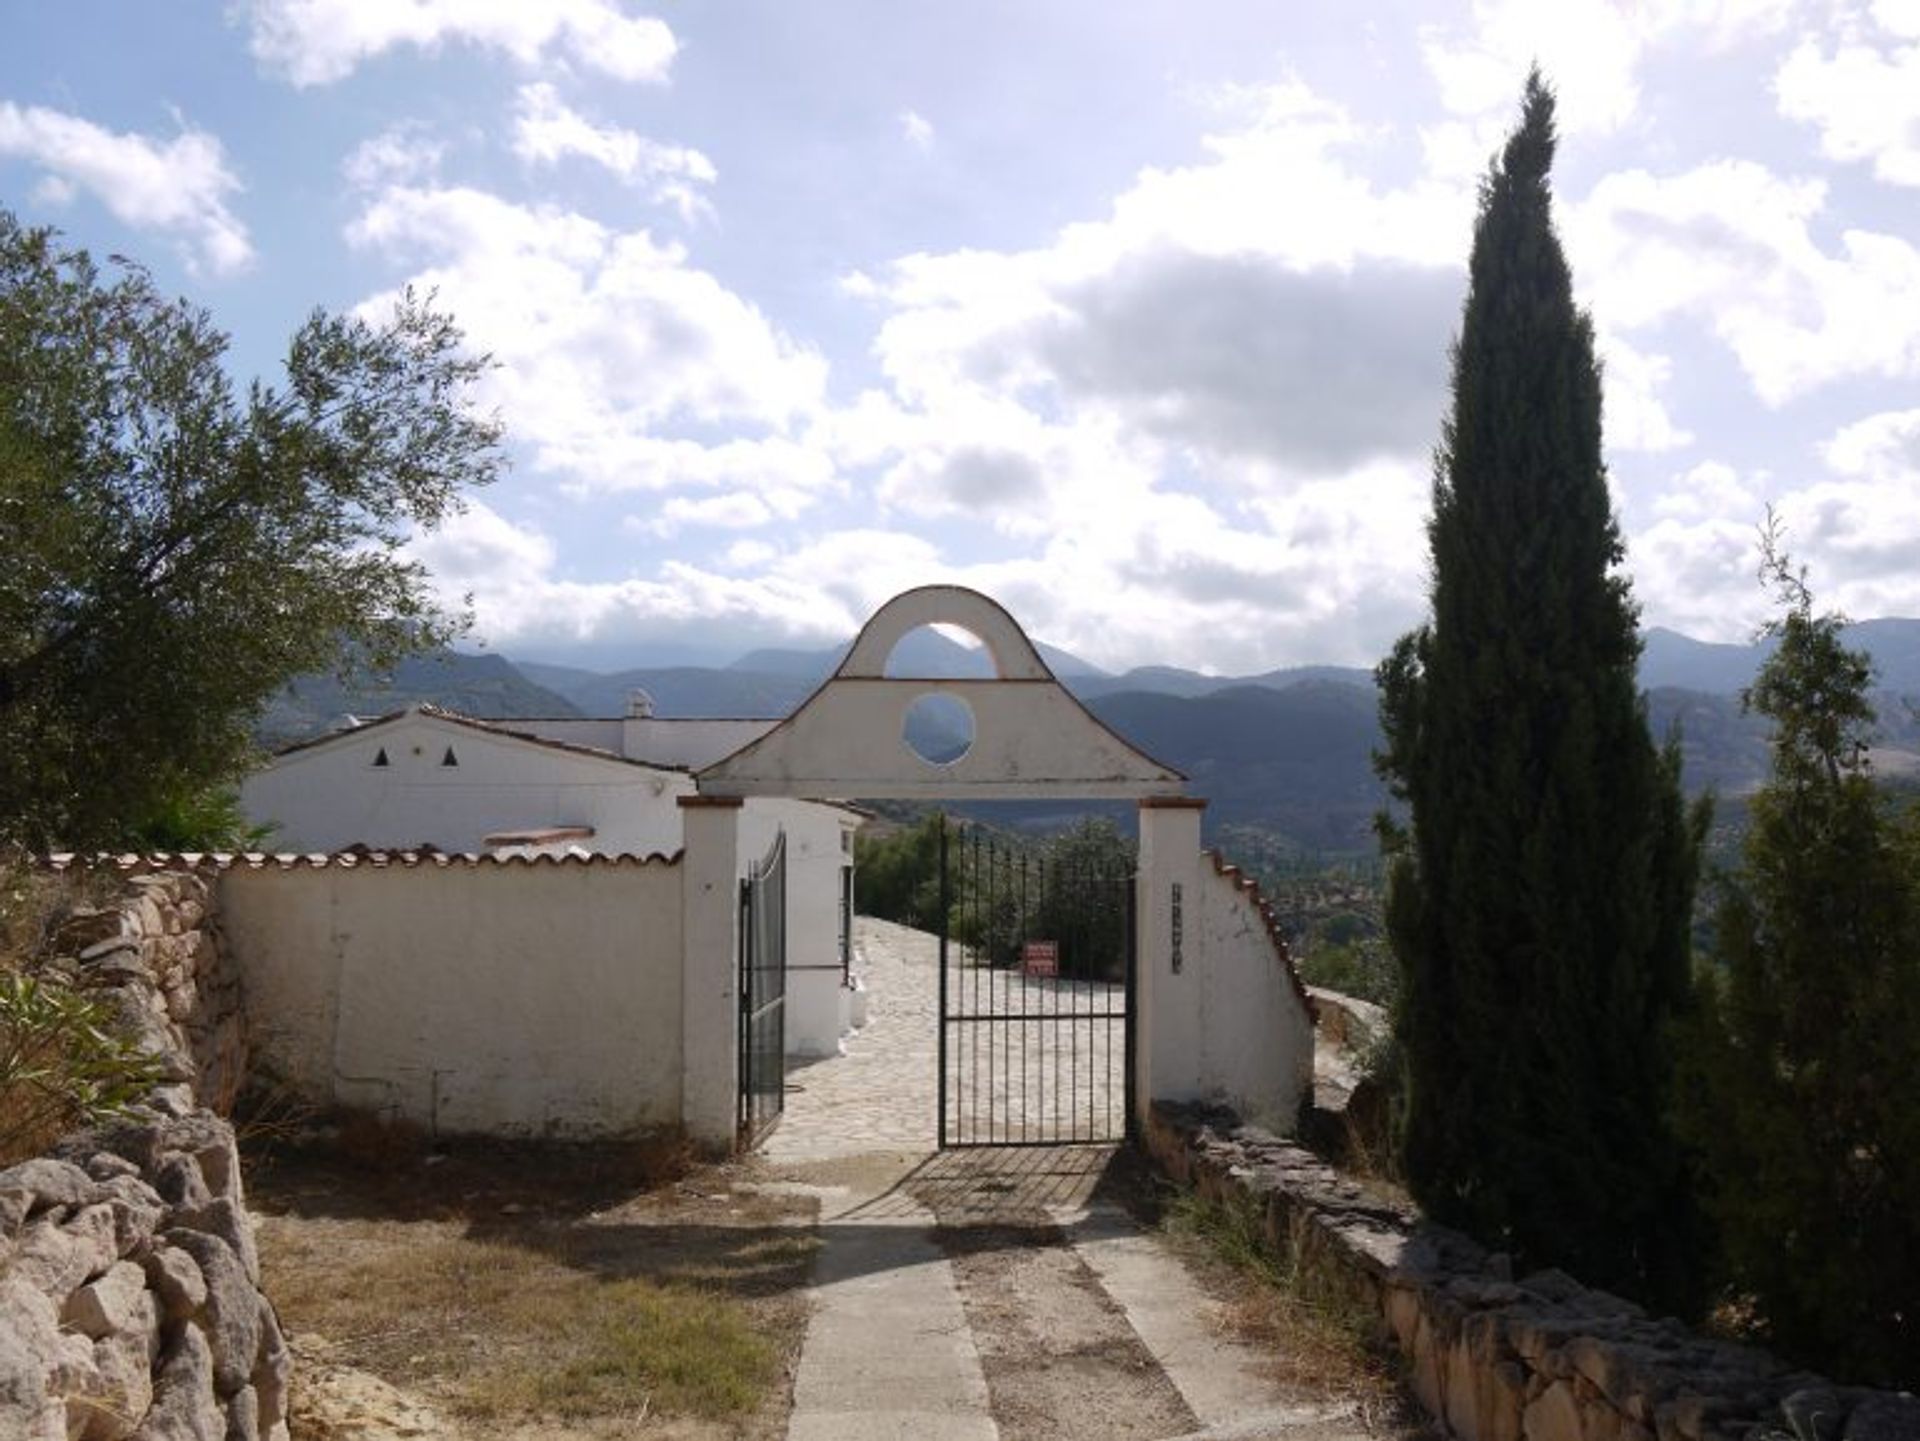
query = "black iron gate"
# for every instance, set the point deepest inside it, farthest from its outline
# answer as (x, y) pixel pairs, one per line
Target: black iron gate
(1036, 993)
(763, 994)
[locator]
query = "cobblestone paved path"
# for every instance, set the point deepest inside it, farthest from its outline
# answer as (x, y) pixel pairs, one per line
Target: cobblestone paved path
(882, 1094)
(1039, 1078)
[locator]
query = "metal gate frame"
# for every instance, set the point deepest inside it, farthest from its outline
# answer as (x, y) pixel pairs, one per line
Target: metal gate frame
(763, 995)
(962, 1019)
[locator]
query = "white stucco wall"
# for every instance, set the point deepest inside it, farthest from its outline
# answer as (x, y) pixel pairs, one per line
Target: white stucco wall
(331, 795)
(513, 999)
(1254, 1033)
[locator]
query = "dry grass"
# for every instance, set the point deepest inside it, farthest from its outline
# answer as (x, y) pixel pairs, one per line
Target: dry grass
(1319, 1340)
(508, 1285)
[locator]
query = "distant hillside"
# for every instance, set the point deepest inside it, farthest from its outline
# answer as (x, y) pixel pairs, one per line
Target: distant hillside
(1298, 760)
(479, 685)
(1172, 680)
(676, 690)
(921, 653)
(1672, 659)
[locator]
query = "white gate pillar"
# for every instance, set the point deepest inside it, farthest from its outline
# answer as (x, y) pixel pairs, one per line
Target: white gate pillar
(1166, 1016)
(710, 970)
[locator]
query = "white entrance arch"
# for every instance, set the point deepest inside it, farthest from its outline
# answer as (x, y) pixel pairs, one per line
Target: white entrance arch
(1032, 740)
(1196, 1033)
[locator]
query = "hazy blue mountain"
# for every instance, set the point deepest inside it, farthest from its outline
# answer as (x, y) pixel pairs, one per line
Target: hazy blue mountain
(1297, 760)
(478, 685)
(676, 690)
(1172, 680)
(1672, 659)
(922, 653)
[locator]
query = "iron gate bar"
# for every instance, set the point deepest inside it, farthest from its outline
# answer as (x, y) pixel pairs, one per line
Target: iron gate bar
(1032, 1027)
(763, 995)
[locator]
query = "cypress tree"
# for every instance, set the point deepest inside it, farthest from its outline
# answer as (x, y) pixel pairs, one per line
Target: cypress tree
(1542, 878)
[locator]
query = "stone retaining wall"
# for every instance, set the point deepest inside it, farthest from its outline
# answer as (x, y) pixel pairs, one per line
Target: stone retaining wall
(130, 1301)
(160, 961)
(1540, 1358)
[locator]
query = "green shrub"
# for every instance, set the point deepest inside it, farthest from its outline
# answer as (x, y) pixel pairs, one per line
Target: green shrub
(60, 1067)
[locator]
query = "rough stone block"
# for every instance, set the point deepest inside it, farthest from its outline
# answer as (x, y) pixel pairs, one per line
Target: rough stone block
(1402, 1308)
(178, 1180)
(1428, 1361)
(26, 1410)
(56, 1257)
(272, 1370)
(243, 1415)
(37, 1185)
(176, 1281)
(106, 1166)
(222, 1218)
(1462, 1394)
(1553, 1415)
(137, 1210)
(124, 1364)
(116, 1300)
(184, 1408)
(231, 1316)
(1885, 1418)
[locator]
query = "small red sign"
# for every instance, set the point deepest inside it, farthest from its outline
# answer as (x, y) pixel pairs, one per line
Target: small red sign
(1040, 958)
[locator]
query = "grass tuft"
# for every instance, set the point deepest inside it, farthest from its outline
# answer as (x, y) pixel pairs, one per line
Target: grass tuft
(1320, 1334)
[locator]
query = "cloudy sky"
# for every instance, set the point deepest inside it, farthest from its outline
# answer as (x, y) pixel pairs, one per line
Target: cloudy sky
(1131, 313)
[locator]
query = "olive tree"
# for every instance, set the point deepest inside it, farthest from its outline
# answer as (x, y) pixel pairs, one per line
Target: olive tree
(175, 547)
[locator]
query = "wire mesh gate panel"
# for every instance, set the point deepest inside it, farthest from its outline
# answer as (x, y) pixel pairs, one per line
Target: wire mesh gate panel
(763, 994)
(1036, 994)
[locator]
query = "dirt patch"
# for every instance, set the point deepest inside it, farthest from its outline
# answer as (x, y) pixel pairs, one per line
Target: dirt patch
(1059, 1355)
(498, 1292)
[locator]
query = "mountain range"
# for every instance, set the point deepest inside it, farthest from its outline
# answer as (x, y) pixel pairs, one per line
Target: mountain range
(1288, 750)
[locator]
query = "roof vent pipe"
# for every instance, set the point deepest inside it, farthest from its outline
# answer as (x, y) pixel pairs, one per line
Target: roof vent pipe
(639, 705)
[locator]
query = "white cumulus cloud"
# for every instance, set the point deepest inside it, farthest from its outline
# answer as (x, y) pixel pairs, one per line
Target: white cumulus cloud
(917, 130)
(546, 131)
(1863, 98)
(1590, 50)
(1735, 248)
(176, 187)
(316, 42)
(395, 156)
(610, 344)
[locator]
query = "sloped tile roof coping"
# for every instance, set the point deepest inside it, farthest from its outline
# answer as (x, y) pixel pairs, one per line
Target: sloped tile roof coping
(539, 836)
(474, 723)
(142, 864)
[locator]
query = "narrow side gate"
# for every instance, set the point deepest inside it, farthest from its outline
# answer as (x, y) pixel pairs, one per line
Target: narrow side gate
(763, 995)
(1036, 994)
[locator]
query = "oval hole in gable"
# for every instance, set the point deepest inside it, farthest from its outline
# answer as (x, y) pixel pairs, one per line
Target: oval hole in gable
(939, 728)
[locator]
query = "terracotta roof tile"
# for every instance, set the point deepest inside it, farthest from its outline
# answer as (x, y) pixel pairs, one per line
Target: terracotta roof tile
(357, 858)
(1250, 888)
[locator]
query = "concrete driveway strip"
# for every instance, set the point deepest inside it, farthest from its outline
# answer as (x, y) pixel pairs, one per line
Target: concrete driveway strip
(888, 1352)
(1221, 1379)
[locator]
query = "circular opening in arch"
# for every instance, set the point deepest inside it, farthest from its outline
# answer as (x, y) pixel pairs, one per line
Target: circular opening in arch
(938, 728)
(940, 652)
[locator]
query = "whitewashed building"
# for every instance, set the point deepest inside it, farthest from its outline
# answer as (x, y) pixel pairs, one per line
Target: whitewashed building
(424, 778)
